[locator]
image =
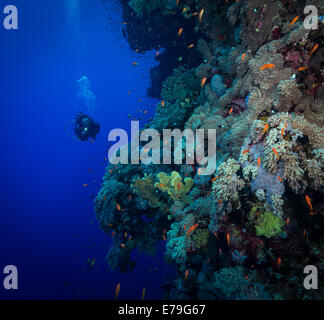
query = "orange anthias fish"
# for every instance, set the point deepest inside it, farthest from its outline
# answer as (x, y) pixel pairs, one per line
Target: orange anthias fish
(267, 66)
(117, 289)
(201, 12)
(228, 238)
(282, 132)
(231, 110)
(287, 221)
(245, 151)
(302, 68)
(294, 20)
(243, 56)
(180, 31)
(190, 46)
(259, 161)
(122, 245)
(85, 185)
(312, 213)
(215, 178)
(203, 81)
(309, 202)
(186, 274)
(191, 229)
(279, 262)
(143, 293)
(162, 103)
(266, 127)
(275, 152)
(313, 50)
(118, 207)
(279, 178)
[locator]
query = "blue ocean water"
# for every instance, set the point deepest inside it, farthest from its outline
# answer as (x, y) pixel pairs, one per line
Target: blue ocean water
(48, 227)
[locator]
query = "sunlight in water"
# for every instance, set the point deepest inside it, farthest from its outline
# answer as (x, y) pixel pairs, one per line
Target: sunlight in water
(73, 13)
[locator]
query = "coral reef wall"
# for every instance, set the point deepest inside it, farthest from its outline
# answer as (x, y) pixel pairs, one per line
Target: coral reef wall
(248, 231)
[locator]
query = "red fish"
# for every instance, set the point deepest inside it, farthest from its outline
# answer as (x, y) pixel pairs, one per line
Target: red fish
(191, 229)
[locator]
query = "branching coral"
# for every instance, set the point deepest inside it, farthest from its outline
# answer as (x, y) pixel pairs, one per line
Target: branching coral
(229, 184)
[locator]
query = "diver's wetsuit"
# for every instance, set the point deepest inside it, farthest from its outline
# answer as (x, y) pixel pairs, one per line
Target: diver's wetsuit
(85, 127)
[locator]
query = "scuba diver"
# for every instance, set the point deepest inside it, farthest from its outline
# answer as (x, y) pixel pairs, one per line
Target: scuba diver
(85, 127)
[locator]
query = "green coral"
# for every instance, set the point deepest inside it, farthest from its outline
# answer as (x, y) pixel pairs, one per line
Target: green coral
(200, 238)
(181, 86)
(269, 225)
(144, 188)
(230, 283)
(173, 186)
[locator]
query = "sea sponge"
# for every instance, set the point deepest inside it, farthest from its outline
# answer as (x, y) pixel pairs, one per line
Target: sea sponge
(269, 225)
(173, 186)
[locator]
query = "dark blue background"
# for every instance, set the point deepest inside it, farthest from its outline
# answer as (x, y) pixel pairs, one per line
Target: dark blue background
(48, 227)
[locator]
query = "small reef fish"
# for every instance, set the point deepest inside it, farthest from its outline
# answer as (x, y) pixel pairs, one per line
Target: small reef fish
(285, 125)
(309, 202)
(122, 245)
(125, 235)
(135, 63)
(313, 50)
(157, 53)
(304, 233)
(143, 294)
(267, 66)
(231, 110)
(275, 152)
(302, 68)
(243, 56)
(245, 151)
(201, 13)
(162, 103)
(215, 234)
(184, 227)
(85, 185)
(113, 233)
(279, 261)
(287, 221)
(117, 289)
(118, 207)
(191, 229)
(259, 161)
(279, 178)
(186, 274)
(266, 127)
(228, 238)
(203, 81)
(180, 31)
(312, 213)
(282, 132)
(214, 179)
(294, 20)
(190, 46)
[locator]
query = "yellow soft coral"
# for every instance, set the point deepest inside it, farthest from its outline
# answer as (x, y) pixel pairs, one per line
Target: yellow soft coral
(173, 186)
